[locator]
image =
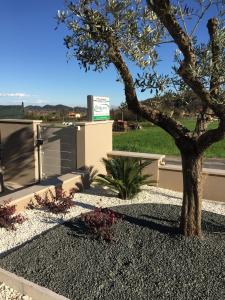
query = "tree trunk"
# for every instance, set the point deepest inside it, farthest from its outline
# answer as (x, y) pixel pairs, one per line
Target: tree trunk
(190, 223)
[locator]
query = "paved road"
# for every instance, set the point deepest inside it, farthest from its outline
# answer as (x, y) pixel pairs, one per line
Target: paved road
(213, 163)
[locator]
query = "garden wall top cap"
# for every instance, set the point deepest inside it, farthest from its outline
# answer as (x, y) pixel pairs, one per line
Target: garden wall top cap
(137, 155)
(94, 123)
(21, 121)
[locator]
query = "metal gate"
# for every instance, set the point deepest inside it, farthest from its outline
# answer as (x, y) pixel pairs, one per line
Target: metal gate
(57, 151)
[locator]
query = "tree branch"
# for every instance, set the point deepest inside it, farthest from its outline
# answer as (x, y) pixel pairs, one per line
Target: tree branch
(163, 10)
(174, 128)
(199, 18)
(214, 81)
(211, 136)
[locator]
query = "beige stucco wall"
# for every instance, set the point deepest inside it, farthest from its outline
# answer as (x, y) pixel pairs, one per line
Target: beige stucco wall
(170, 177)
(20, 158)
(94, 141)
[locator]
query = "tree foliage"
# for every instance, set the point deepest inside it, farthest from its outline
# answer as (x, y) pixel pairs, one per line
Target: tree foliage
(129, 32)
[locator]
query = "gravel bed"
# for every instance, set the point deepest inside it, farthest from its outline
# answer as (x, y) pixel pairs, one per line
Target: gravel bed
(7, 293)
(39, 221)
(148, 259)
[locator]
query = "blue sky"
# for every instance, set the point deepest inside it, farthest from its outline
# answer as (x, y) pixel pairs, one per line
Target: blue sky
(33, 60)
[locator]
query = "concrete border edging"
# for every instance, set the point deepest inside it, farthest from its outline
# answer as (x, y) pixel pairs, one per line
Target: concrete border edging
(25, 287)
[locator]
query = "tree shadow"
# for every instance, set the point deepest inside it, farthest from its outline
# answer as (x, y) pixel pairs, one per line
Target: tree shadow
(162, 228)
(210, 225)
(77, 228)
(161, 219)
(18, 156)
(85, 205)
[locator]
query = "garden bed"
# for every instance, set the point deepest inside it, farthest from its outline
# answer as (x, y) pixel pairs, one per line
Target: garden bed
(148, 259)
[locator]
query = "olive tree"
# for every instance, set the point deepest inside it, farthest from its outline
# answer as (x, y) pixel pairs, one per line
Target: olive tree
(122, 33)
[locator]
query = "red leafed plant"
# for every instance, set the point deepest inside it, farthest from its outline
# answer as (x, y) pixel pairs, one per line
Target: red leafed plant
(8, 218)
(56, 203)
(100, 221)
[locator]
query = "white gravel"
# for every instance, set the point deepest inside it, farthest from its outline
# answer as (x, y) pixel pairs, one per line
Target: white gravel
(7, 293)
(39, 221)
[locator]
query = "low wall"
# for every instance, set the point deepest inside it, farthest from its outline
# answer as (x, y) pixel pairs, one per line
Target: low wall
(22, 197)
(170, 177)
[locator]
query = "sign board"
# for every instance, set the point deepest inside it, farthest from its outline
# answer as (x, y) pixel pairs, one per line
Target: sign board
(98, 108)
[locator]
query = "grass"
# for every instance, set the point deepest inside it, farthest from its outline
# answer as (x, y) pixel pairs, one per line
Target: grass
(153, 139)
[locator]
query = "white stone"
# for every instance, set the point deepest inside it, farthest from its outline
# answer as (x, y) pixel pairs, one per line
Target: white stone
(40, 221)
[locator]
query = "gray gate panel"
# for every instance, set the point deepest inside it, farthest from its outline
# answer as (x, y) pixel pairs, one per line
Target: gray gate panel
(58, 150)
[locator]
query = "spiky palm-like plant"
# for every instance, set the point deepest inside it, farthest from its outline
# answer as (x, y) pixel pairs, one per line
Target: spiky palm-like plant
(124, 176)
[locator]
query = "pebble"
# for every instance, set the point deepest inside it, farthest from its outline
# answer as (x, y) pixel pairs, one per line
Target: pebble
(7, 293)
(39, 221)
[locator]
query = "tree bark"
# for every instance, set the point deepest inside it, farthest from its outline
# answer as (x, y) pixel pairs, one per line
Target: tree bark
(190, 223)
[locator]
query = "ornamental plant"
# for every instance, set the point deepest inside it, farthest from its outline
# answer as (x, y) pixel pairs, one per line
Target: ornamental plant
(8, 218)
(56, 203)
(124, 176)
(99, 222)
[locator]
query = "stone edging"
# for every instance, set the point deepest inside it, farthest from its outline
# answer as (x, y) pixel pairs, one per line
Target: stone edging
(23, 286)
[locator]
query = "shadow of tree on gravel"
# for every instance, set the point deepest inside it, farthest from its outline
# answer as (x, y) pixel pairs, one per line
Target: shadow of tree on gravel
(211, 226)
(162, 228)
(208, 225)
(77, 228)
(160, 219)
(167, 226)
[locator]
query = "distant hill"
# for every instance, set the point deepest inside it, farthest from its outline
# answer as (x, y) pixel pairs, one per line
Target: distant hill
(56, 108)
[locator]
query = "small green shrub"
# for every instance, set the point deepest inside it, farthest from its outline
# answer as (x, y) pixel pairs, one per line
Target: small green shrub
(124, 176)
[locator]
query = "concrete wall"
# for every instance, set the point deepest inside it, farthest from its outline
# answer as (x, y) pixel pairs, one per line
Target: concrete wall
(20, 157)
(170, 177)
(94, 141)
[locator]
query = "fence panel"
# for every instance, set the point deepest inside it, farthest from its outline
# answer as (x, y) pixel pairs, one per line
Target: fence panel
(58, 151)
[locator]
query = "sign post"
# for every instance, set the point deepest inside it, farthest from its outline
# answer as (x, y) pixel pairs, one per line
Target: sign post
(98, 108)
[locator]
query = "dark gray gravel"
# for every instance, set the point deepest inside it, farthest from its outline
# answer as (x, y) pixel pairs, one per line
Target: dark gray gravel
(149, 259)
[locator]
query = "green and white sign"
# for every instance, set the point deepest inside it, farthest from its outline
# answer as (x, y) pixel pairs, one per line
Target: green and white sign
(98, 108)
